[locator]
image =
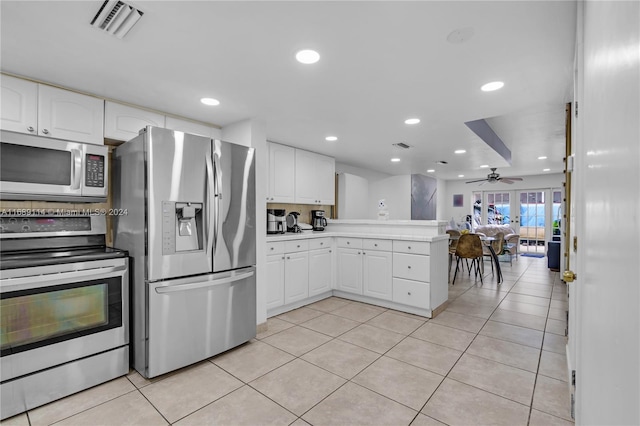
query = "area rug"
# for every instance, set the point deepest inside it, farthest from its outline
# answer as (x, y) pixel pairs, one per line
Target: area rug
(532, 254)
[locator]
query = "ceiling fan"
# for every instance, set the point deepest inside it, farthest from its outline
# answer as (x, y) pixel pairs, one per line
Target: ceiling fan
(494, 177)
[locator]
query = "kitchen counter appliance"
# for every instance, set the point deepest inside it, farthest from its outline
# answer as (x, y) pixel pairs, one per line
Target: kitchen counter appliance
(318, 221)
(39, 168)
(292, 222)
(276, 221)
(64, 309)
(191, 232)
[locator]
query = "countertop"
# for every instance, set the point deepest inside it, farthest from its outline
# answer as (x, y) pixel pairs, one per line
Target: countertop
(319, 234)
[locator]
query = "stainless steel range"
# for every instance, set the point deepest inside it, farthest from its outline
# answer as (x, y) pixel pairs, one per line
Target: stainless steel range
(64, 309)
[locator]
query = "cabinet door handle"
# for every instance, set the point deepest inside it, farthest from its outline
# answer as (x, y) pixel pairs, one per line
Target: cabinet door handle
(409, 248)
(30, 128)
(359, 253)
(364, 253)
(409, 266)
(271, 248)
(321, 244)
(409, 293)
(348, 242)
(298, 246)
(330, 251)
(45, 131)
(288, 257)
(282, 257)
(375, 245)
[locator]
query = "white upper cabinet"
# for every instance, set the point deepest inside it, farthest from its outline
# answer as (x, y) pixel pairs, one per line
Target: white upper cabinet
(122, 122)
(19, 108)
(282, 176)
(315, 178)
(63, 114)
(191, 127)
(33, 108)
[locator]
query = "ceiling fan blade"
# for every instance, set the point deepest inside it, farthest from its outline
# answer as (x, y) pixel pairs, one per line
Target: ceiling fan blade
(506, 180)
(511, 178)
(473, 181)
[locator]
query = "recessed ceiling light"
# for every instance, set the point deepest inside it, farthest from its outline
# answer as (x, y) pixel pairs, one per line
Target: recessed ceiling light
(546, 170)
(412, 121)
(460, 175)
(210, 101)
(484, 166)
(430, 171)
(542, 157)
(490, 87)
(459, 151)
(308, 56)
(395, 160)
(331, 138)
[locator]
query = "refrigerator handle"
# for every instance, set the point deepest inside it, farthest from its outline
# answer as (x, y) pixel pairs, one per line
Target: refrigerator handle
(209, 198)
(217, 196)
(205, 284)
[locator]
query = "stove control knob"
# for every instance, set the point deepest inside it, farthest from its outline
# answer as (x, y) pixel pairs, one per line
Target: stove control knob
(25, 228)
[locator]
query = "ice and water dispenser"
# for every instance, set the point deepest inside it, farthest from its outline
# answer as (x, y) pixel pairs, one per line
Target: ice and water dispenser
(182, 227)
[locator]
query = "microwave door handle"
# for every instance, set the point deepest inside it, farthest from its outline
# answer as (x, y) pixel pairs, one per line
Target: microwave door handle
(76, 168)
(206, 284)
(209, 198)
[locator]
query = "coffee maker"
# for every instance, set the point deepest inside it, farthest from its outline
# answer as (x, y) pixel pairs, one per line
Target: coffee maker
(318, 221)
(276, 221)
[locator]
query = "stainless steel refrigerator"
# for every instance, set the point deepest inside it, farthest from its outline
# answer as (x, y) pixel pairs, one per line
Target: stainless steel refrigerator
(185, 209)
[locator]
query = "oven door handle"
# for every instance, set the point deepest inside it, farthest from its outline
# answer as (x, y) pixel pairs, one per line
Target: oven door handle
(206, 284)
(36, 281)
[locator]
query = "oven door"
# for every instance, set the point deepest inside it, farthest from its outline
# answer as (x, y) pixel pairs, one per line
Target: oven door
(55, 314)
(37, 168)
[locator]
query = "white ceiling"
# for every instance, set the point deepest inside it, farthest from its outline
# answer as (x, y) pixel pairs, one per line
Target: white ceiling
(381, 62)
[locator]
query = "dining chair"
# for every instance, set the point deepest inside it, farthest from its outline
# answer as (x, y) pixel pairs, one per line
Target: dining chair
(511, 243)
(497, 245)
(469, 247)
(453, 243)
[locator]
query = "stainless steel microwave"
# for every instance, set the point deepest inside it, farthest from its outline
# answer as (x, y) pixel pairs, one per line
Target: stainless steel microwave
(39, 168)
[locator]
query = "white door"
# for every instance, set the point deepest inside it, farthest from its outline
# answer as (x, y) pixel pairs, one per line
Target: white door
(307, 186)
(296, 277)
(63, 114)
(275, 281)
(607, 188)
(534, 223)
(281, 173)
(320, 271)
(19, 109)
(377, 274)
(122, 122)
(326, 179)
(350, 270)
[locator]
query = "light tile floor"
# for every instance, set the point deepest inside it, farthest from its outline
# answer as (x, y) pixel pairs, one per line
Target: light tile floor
(496, 355)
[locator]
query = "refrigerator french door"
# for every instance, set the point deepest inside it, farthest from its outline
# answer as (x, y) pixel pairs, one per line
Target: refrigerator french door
(191, 233)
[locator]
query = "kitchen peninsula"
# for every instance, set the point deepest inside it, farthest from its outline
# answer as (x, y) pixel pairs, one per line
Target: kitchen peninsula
(398, 264)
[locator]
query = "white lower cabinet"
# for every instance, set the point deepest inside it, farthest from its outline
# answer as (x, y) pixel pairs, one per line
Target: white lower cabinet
(275, 280)
(296, 276)
(412, 293)
(320, 271)
(365, 269)
(376, 273)
(350, 270)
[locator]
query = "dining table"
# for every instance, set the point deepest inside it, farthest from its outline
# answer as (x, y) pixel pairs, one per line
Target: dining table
(486, 241)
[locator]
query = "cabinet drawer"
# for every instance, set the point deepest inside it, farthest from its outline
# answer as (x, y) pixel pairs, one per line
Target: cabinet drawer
(411, 266)
(275, 247)
(411, 293)
(350, 242)
(319, 243)
(371, 244)
(411, 247)
(296, 245)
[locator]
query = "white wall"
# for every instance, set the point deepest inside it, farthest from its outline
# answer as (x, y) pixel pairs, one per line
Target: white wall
(396, 190)
(370, 175)
(253, 133)
(353, 196)
(451, 187)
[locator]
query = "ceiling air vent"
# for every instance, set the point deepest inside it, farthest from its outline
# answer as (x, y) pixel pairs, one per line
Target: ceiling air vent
(401, 145)
(116, 18)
